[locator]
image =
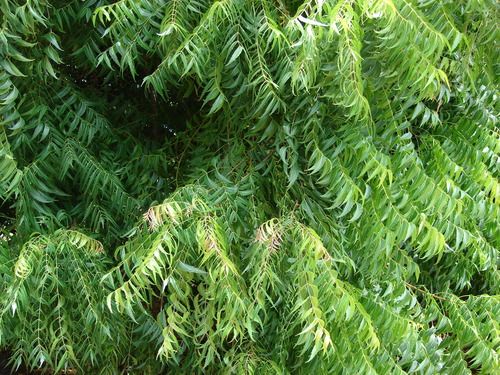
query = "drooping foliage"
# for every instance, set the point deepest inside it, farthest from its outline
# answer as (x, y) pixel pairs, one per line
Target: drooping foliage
(250, 186)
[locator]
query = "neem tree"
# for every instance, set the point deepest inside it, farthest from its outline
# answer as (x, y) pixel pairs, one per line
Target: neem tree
(250, 186)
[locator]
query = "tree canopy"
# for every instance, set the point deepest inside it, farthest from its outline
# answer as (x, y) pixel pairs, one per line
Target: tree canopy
(195, 186)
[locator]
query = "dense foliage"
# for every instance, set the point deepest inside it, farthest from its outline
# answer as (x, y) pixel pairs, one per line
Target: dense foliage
(239, 187)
